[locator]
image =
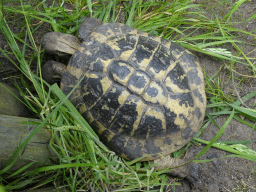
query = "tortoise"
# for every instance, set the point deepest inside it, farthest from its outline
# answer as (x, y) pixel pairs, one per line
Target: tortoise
(143, 95)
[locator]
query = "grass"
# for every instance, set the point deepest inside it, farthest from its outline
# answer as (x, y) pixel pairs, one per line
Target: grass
(83, 161)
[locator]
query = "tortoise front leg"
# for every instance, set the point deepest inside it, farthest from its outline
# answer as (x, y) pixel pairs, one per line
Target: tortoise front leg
(52, 71)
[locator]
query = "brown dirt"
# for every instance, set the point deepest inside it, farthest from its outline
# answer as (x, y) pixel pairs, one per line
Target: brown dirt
(232, 173)
(227, 174)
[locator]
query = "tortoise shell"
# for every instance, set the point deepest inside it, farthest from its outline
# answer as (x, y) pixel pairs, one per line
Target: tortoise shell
(140, 93)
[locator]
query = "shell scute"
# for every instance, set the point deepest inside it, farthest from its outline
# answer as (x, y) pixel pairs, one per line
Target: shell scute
(144, 52)
(176, 80)
(120, 71)
(138, 81)
(93, 87)
(106, 108)
(155, 93)
(128, 116)
(176, 49)
(152, 124)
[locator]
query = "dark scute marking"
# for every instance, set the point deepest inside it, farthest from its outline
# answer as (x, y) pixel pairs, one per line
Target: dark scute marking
(78, 60)
(138, 80)
(125, 117)
(153, 92)
(167, 141)
(131, 39)
(198, 95)
(68, 79)
(88, 25)
(151, 148)
(86, 116)
(198, 113)
(103, 29)
(185, 98)
(127, 29)
(95, 127)
(121, 71)
(77, 101)
(193, 77)
(151, 36)
(161, 59)
(164, 41)
(149, 125)
(110, 103)
(105, 52)
(186, 133)
(104, 135)
(114, 27)
(178, 77)
(170, 116)
(93, 87)
(116, 144)
(189, 59)
(90, 44)
(175, 46)
(126, 43)
(133, 149)
(185, 119)
(145, 47)
(96, 50)
(147, 43)
(97, 66)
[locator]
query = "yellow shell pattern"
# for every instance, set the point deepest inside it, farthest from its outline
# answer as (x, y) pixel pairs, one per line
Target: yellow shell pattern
(141, 94)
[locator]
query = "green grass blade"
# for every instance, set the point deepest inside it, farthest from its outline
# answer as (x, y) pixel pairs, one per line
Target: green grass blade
(89, 4)
(131, 13)
(252, 17)
(216, 136)
(233, 9)
(251, 113)
(227, 148)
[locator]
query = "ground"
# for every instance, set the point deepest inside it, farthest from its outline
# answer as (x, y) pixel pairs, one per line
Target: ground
(229, 174)
(222, 174)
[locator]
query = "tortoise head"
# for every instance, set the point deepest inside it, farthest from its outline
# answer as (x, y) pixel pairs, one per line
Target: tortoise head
(59, 43)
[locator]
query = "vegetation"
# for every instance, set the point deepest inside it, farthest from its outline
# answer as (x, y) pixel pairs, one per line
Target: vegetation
(84, 162)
